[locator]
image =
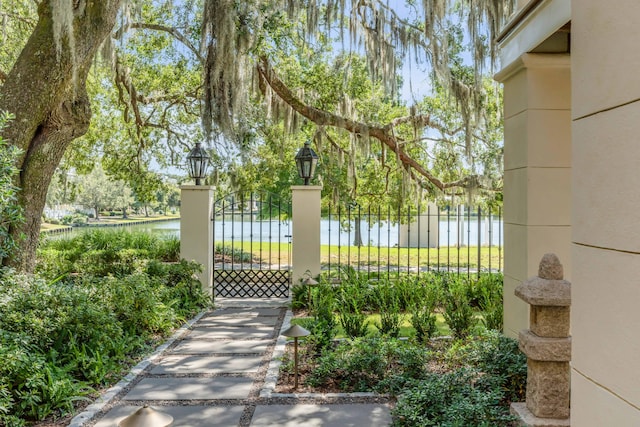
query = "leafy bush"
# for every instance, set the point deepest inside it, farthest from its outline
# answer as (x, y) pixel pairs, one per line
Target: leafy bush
(463, 397)
(359, 287)
(458, 312)
(495, 354)
(351, 299)
(100, 253)
(354, 324)
(10, 210)
(74, 219)
(370, 364)
(422, 309)
(324, 328)
(423, 321)
(101, 298)
(299, 297)
(408, 290)
(389, 305)
(487, 373)
(488, 290)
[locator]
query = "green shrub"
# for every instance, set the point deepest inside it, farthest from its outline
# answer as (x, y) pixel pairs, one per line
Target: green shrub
(370, 364)
(422, 309)
(74, 219)
(300, 297)
(357, 285)
(11, 213)
(137, 302)
(324, 328)
(495, 354)
(168, 249)
(53, 263)
(354, 324)
(389, 305)
(423, 321)
(488, 289)
(32, 387)
(463, 397)
(103, 300)
(351, 299)
(458, 312)
(408, 290)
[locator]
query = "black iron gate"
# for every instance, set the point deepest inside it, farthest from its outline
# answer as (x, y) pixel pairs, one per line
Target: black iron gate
(251, 246)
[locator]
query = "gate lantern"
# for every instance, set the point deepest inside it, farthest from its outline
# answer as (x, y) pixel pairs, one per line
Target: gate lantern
(198, 163)
(306, 160)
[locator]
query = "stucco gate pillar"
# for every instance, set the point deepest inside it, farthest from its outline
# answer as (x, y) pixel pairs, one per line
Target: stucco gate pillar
(196, 234)
(306, 231)
(537, 172)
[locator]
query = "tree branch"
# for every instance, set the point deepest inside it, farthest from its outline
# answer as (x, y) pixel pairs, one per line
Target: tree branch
(174, 32)
(325, 118)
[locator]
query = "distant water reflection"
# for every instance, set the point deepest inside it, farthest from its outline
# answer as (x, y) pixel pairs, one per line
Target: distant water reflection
(383, 234)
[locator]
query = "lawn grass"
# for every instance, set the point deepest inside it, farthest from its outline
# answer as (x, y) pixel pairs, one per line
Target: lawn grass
(406, 329)
(371, 258)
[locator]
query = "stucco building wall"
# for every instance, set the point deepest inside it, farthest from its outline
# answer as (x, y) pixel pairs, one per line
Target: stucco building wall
(592, 143)
(606, 219)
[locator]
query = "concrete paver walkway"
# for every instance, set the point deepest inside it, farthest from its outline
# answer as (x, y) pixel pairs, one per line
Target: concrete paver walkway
(213, 374)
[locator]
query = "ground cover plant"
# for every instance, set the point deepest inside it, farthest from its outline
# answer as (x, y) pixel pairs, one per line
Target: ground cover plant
(468, 377)
(96, 304)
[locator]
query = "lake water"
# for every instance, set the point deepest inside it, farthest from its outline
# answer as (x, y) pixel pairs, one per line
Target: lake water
(383, 234)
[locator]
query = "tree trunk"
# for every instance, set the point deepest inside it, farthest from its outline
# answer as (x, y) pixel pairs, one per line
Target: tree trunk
(96, 209)
(357, 235)
(45, 91)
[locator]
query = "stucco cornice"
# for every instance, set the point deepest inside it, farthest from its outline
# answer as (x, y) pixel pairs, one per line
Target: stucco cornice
(535, 23)
(531, 61)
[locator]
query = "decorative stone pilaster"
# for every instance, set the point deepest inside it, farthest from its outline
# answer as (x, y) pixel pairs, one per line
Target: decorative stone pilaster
(547, 344)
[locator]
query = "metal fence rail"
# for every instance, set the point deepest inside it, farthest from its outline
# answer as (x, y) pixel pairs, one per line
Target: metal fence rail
(252, 239)
(385, 242)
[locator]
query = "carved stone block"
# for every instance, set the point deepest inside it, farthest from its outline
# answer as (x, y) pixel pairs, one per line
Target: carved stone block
(548, 385)
(545, 349)
(552, 322)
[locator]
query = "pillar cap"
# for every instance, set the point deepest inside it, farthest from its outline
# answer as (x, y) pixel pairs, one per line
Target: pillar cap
(306, 187)
(197, 187)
